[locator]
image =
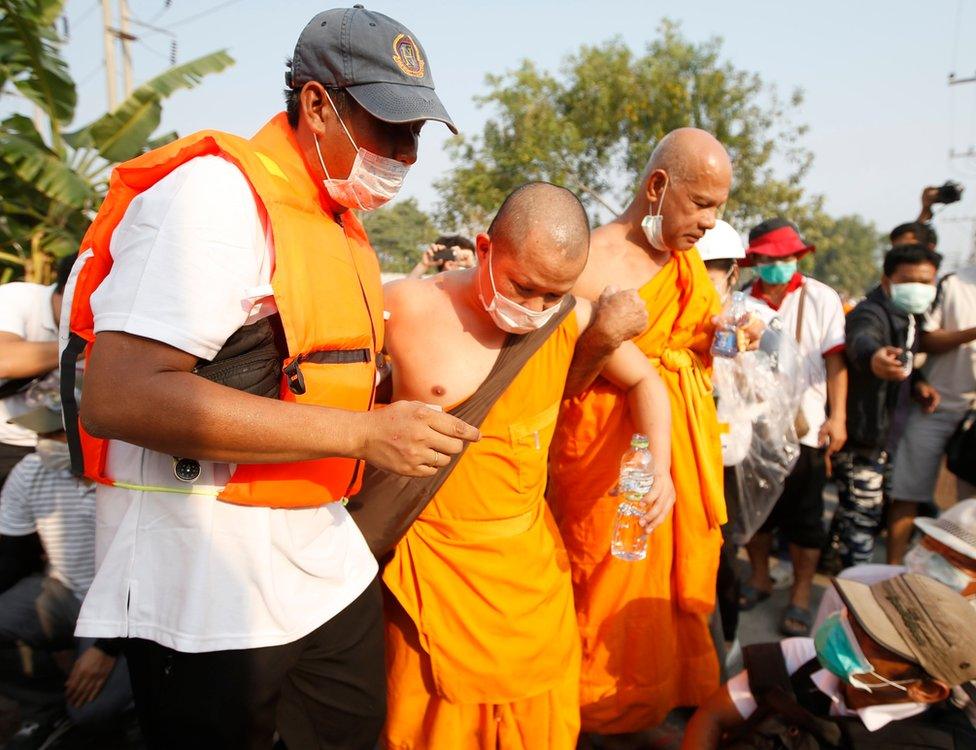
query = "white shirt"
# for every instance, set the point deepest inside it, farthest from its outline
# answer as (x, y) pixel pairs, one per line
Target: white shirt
(25, 311)
(191, 266)
(822, 333)
(796, 653)
(953, 373)
(60, 508)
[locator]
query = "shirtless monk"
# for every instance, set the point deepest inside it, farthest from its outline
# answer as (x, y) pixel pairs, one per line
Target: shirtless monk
(482, 645)
(644, 625)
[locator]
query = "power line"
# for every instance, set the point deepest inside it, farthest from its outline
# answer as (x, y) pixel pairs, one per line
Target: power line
(191, 19)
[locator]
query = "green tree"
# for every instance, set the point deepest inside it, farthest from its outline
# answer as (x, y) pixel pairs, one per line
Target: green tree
(52, 182)
(399, 233)
(593, 125)
(848, 256)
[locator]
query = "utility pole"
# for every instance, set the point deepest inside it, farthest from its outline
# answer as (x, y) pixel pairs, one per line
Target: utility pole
(108, 37)
(125, 37)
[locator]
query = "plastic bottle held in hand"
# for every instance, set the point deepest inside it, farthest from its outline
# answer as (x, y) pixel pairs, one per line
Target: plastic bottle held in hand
(629, 540)
(726, 343)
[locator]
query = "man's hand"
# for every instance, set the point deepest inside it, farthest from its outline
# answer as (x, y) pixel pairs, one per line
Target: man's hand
(833, 435)
(930, 196)
(409, 438)
(926, 396)
(619, 315)
(463, 258)
(886, 364)
(88, 677)
(660, 501)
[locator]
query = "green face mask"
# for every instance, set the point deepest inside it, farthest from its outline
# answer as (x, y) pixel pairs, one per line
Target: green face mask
(913, 297)
(839, 652)
(776, 273)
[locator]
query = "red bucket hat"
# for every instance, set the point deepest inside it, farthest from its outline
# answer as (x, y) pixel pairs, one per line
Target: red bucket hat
(775, 238)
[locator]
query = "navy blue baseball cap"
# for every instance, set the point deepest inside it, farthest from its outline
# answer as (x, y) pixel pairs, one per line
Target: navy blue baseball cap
(376, 59)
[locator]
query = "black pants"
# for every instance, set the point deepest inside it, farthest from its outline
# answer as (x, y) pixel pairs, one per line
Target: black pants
(799, 511)
(326, 690)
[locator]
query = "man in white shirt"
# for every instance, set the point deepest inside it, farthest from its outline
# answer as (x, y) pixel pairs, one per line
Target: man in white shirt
(243, 619)
(949, 337)
(29, 315)
(869, 675)
(812, 312)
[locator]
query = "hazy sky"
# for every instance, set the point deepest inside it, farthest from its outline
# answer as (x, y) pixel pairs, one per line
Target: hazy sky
(882, 118)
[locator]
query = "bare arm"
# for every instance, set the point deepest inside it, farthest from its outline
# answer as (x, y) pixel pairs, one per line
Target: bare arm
(713, 718)
(616, 317)
(25, 359)
(650, 411)
(941, 340)
(142, 392)
(834, 430)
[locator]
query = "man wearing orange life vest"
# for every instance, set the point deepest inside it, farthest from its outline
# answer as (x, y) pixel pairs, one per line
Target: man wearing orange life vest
(482, 644)
(246, 596)
(644, 625)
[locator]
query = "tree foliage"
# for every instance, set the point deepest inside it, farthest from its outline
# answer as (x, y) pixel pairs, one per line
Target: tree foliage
(848, 256)
(592, 126)
(399, 234)
(52, 182)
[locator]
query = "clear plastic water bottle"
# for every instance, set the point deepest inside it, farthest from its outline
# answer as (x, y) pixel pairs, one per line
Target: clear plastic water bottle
(726, 343)
(629, 540)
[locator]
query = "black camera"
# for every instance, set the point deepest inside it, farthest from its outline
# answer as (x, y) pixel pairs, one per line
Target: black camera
(950, 192)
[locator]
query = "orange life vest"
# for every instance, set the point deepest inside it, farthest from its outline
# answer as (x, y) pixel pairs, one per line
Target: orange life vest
(326, 285)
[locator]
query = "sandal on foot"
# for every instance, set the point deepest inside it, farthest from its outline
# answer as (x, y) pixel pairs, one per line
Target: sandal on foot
(750, 596)
(796, 621)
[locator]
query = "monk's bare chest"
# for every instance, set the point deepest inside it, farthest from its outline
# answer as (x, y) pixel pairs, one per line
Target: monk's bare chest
(441, 363)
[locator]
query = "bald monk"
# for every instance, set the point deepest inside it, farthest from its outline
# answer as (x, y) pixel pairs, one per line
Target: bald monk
(482, 645)
(644, 625)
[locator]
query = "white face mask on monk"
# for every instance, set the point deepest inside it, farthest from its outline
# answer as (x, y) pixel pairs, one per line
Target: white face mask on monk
(653, 225)
(510, 316)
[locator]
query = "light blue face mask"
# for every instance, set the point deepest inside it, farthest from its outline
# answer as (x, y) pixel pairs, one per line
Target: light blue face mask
(776, 273)
(840, 653)
(912, 297)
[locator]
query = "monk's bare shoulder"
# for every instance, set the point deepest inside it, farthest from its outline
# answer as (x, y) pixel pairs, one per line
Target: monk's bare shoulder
(597, 274)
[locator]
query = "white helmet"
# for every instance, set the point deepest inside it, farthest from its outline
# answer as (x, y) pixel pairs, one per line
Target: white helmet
(721, 241)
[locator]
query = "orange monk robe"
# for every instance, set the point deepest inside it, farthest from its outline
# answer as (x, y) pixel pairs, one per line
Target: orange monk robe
(482, 644)
(644, 625)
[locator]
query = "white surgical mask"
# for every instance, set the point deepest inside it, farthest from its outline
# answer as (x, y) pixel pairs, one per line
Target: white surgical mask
(653, 226)
(54, 454)
(373, 180)
(510, 316)
(925, 562)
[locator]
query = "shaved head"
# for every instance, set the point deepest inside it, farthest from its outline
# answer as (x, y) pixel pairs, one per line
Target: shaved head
(543, 216)
(689, 153)
(686, 182)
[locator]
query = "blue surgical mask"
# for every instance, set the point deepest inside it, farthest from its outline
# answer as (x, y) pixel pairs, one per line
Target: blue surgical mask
(840, 653)
(912, 297)
(776, 273)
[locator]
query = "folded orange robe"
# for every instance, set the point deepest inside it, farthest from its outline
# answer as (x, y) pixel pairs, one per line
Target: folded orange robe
(482, 643)
(644, 625)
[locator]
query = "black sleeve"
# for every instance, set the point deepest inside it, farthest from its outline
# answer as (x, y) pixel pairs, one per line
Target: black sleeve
(864, 334)
(20, 556)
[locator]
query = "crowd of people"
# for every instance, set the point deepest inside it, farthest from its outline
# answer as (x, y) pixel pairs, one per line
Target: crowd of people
(255, 499)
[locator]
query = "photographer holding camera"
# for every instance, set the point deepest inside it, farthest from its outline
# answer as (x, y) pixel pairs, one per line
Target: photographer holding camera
(920, 231)
(446, 253)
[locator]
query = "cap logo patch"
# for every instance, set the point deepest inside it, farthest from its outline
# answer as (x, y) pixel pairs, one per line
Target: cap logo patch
(406, 55)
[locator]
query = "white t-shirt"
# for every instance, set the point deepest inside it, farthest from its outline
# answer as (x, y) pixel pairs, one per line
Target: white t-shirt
(60, 508)
(191, 266)
(953, 373)
(796, 653)
(25, 311)
(822, 334)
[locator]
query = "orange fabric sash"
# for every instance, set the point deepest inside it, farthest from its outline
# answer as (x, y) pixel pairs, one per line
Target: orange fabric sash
(482, 572)
(595, 428)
